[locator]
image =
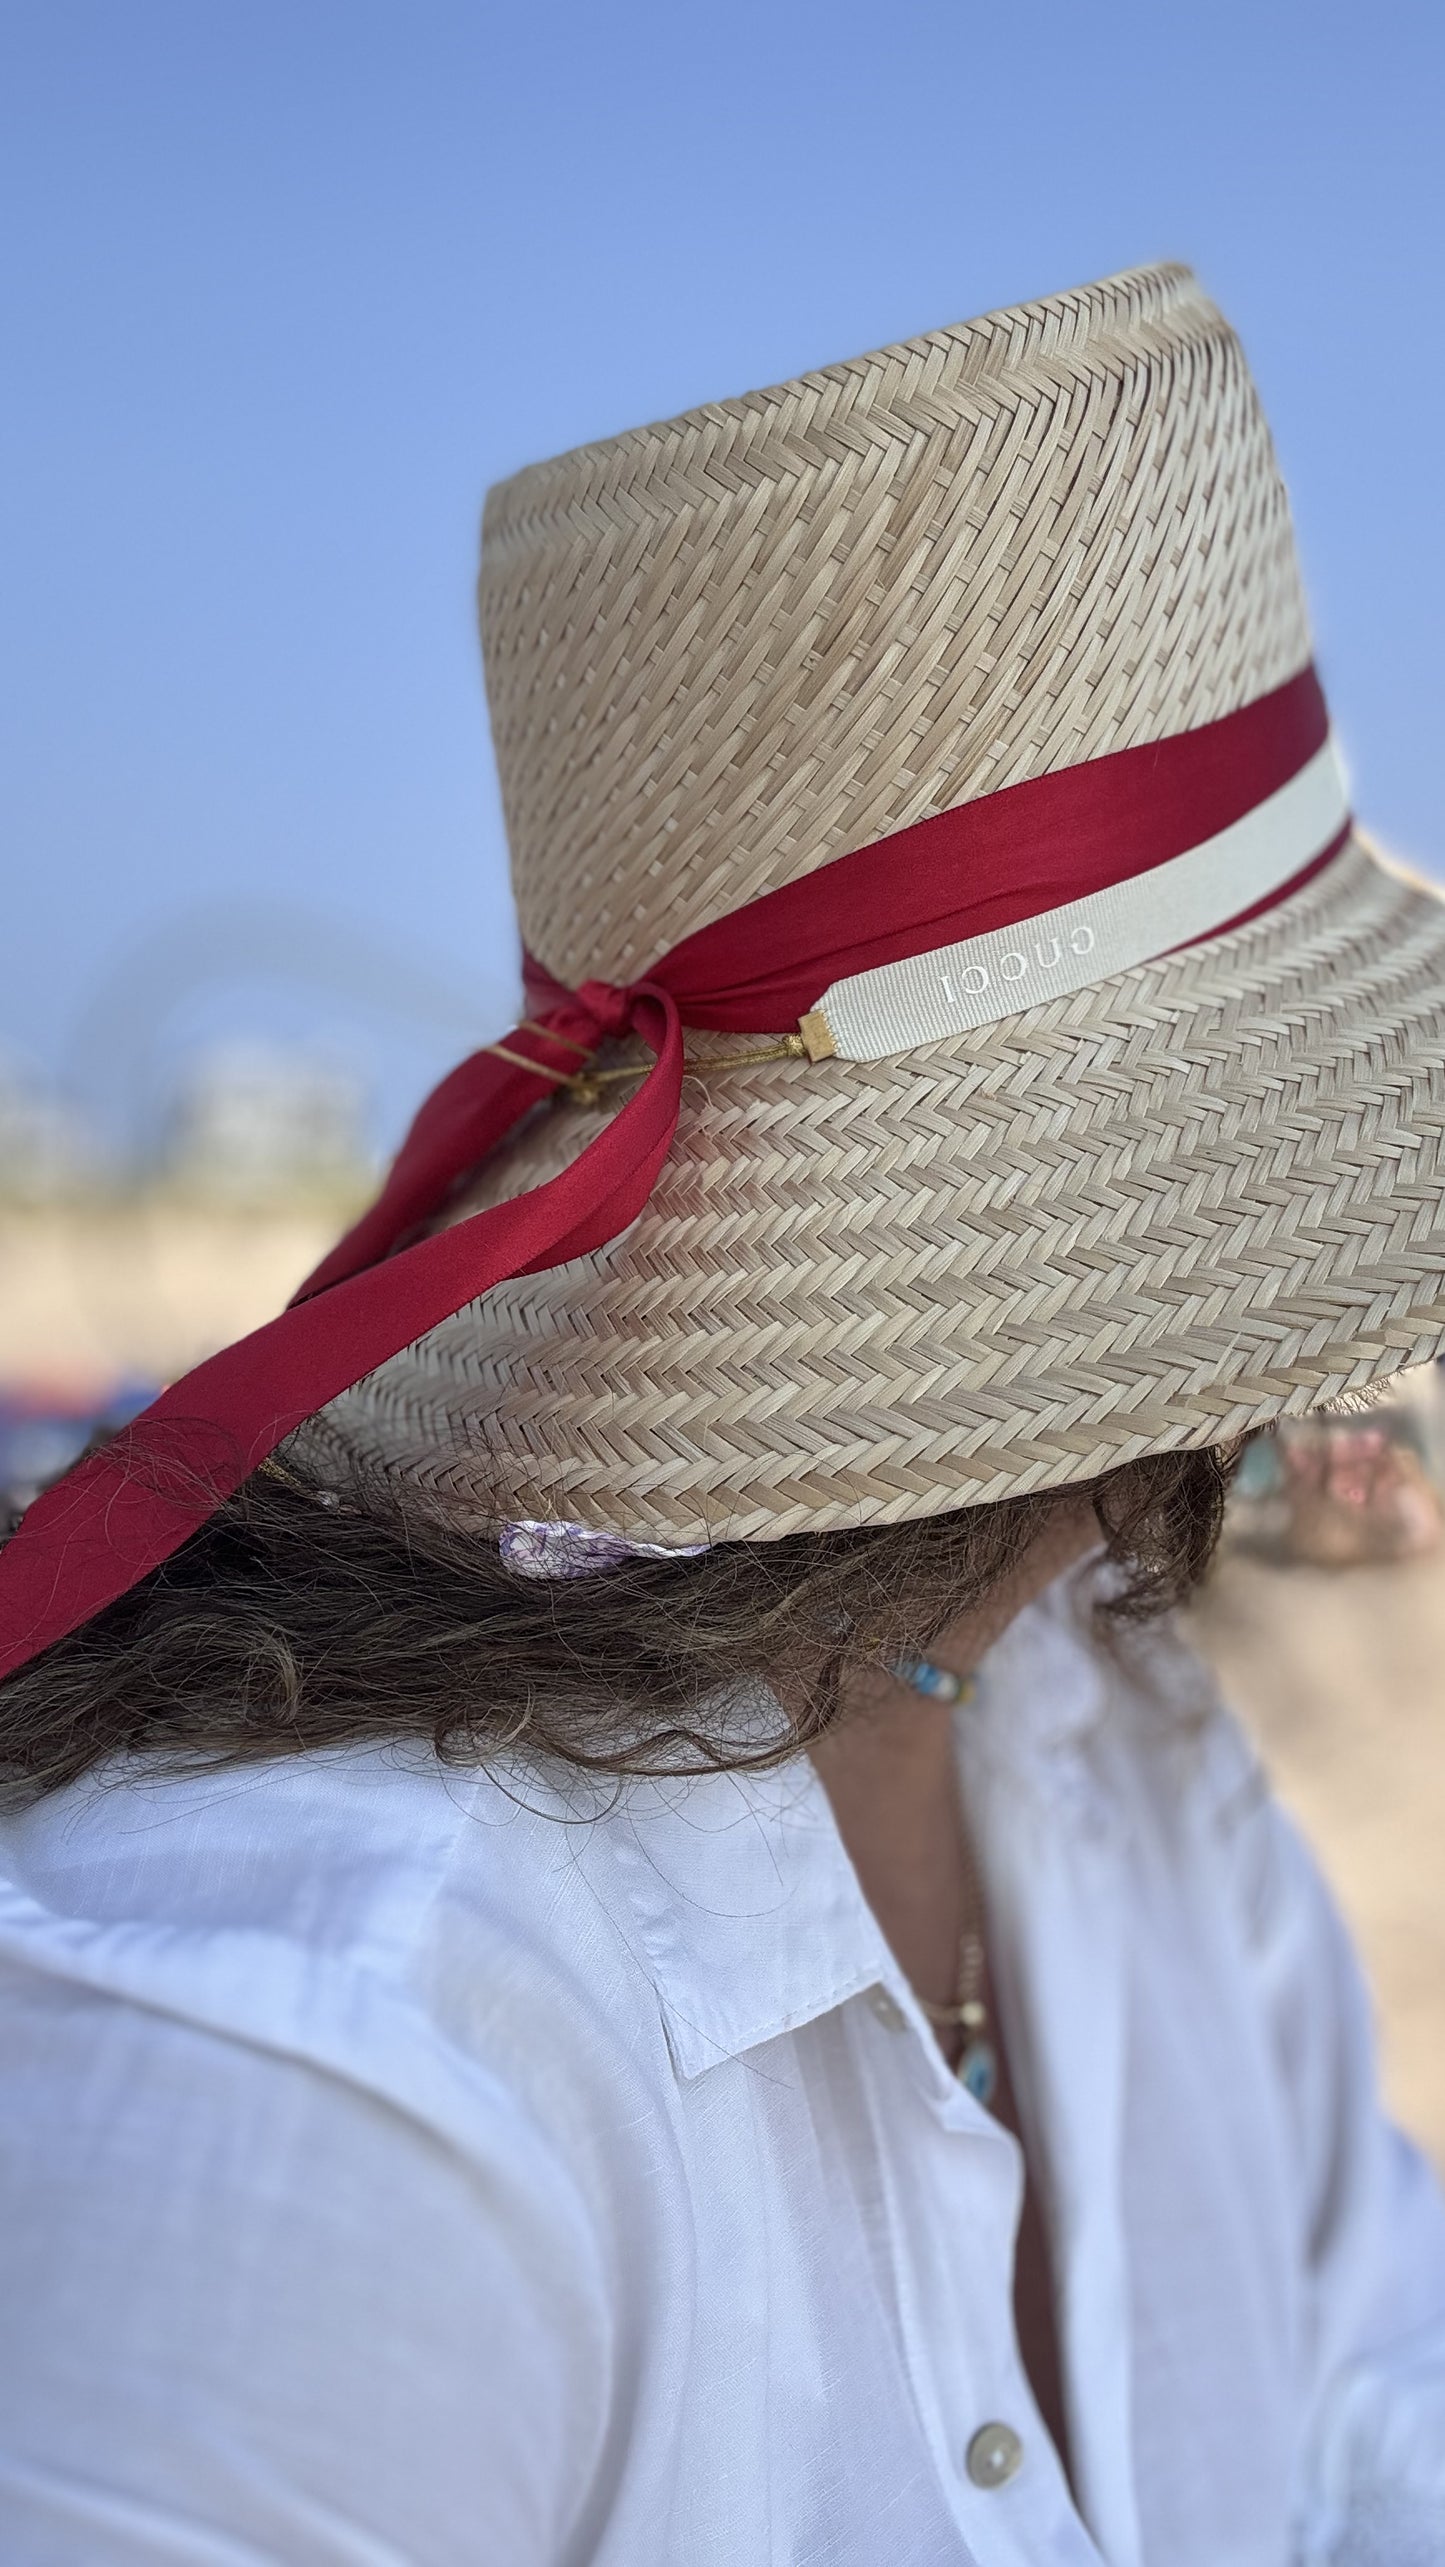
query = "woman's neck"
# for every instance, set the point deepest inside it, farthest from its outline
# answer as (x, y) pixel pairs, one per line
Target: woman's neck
(888, 1767)
(890, 1774)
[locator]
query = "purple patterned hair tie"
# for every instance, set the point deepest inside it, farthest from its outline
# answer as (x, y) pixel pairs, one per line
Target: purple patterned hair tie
(536, 1550)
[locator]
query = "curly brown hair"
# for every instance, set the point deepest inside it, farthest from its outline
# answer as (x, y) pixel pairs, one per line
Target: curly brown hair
(292, 1621)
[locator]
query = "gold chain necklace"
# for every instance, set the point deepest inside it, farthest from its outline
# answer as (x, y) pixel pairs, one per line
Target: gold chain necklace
(977, 2066)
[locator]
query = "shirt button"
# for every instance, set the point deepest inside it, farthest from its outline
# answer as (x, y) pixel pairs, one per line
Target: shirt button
(994, 2456)
(887, 2009)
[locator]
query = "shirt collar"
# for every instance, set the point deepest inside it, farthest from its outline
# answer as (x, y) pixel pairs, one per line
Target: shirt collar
(737, 1891)
(743, 1904)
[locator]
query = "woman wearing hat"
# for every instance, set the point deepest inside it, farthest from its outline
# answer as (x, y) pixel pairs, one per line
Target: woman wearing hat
(628, 1936)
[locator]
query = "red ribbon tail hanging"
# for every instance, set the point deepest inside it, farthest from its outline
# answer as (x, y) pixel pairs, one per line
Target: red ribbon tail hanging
(127, 1508)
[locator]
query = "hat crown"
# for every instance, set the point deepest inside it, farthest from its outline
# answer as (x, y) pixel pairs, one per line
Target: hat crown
(725, 649)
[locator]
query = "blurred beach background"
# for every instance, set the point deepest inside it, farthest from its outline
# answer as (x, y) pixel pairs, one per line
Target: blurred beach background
(284, 285)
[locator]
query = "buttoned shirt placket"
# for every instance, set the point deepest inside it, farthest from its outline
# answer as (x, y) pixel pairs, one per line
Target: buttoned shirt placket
(748, 1915)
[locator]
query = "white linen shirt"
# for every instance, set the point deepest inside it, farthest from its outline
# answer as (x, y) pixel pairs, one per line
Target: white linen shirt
(402, 2169)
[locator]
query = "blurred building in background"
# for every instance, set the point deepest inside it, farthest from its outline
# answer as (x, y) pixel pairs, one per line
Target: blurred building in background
(120, 1268)
(253, 1120)
(46, 1148)
(230, 1086)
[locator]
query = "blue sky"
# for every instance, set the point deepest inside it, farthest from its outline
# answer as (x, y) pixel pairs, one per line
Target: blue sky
(287, 282)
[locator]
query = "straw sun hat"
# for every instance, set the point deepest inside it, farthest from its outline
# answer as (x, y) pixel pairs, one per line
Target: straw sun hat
(1154, 1208)
(940, 727)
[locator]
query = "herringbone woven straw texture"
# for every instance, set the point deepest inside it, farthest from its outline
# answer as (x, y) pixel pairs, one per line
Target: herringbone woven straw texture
(1199, 1195)
(723, 650)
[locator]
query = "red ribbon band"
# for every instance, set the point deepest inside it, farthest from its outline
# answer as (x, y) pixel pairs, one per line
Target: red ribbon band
(987, 864)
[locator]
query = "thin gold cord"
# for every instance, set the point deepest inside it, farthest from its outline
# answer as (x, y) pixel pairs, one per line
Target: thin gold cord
(529, 1025)
(519, 1061)
(587, 1085)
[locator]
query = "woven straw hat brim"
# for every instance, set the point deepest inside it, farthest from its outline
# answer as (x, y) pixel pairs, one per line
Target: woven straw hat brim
(1195, 1197)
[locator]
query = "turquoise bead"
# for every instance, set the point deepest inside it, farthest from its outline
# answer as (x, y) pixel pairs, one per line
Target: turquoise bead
(978, 2071)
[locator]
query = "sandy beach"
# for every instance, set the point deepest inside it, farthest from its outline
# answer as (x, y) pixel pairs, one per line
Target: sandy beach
(1341, 1675)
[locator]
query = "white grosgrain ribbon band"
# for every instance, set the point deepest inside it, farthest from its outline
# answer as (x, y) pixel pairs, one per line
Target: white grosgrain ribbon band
(922, 1000)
